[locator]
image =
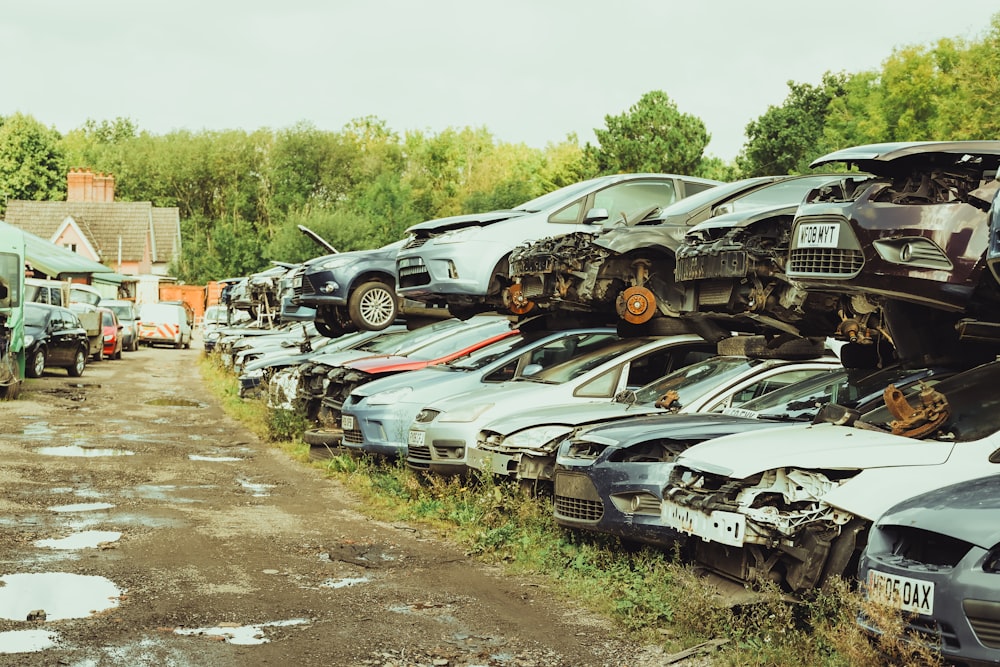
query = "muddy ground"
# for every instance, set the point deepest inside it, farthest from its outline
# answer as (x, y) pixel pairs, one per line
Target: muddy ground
(208, 547)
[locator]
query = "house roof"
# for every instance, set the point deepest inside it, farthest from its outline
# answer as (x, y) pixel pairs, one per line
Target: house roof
(105, 224)
(59, 263)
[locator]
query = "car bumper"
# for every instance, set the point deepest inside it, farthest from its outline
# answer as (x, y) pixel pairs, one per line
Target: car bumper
(440, 447)
(379, 430)
(460, 269)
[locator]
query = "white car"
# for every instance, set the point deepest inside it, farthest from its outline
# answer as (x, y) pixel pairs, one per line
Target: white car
(445, 429)
(524, 445)
(794, 504)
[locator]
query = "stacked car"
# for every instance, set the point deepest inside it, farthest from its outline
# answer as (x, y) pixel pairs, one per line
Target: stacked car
(777, 375)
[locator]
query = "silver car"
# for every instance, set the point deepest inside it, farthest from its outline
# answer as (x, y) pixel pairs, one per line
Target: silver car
(461, 261)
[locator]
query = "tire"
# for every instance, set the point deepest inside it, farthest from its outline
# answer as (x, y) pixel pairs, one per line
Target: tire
(10, 392)
(762, 347)
(332, 321)
(99, 355)
(80, 362)
(323, 437)
(658, 326)
(373, 306)
(135, 344)
(36, 364)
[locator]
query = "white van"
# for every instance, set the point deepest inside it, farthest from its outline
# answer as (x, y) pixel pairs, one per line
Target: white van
(165, 324)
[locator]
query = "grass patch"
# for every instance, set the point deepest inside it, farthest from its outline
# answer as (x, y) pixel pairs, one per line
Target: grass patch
(650, 593)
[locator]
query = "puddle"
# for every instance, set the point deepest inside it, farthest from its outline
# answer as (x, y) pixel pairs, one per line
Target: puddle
(60, 594)
(175, 402)
(26, 641)
(39, 429)
(196, 457)
(163, 492)
(256, 490)
(77, 450)
(344, 583)
(81, 507)
(240, 634)
(88, 539)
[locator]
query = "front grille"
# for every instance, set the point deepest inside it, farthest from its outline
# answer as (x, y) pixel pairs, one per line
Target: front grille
(578, 509)
(729, 264)
(421, 454)
(413, 276)
(834, 262)
(353, 437)
(444, 448)
(984, 617)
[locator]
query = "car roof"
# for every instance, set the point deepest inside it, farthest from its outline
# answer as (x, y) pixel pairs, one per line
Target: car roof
(889, 152)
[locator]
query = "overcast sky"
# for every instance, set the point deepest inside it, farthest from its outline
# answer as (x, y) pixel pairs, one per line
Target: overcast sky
(530, 71)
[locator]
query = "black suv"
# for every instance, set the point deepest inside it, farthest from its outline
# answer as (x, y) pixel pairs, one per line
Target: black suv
(53, 337)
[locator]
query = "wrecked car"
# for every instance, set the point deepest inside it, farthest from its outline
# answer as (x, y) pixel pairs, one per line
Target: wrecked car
(376, 415)
(610, 475)
(935, 557)
(910, 242)
(462, 261)
(350, 290)
(731, 272)
(523, 446)
(444, 430)
(626, 272)
(794, 505)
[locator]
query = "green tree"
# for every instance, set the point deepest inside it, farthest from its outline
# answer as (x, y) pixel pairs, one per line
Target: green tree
(652, 136)
(785, 139)
(32, 164)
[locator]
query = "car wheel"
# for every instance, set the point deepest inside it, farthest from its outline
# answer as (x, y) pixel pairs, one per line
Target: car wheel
(323, 437)
(135, 345)
(332, 321)
(36, 364)
(79, 363)
(10, 392)
(99, 355)
(373, 306)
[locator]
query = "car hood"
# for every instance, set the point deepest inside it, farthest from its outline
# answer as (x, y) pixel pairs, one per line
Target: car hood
(881, 159)
(353, 254)
(386, 362)
(964, 510)
(569, 415)
(697, 427)
(741, 219)
(460, 221)
(812, 447)
(30, 330)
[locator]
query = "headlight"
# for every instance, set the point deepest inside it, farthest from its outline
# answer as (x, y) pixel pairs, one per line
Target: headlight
(467, 414)
(28, 339)
(536, 436)
(458, 235)
(992, 561)
(389, 397)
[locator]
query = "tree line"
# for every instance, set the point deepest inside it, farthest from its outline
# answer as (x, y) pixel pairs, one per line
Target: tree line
(242, 195)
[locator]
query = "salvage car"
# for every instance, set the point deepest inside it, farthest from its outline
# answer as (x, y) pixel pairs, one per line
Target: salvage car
(350, 290)
(610, 474)
(53, 338)
(377, 415)
(910, 242)
(523, 446)
(794, 505)
(444, 430)
(462, 261)
(128, 317)
(111, 330)
(935, 557)
(626, 272)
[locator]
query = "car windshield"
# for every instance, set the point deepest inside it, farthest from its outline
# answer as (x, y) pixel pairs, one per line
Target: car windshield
(460, 339)
(577, 366)
(974, 405)
(107, 318)
(485, 355)
(802, 400)
(124, 312)
(35, 316)
(710, 196)
(557, 197)
(692, 381)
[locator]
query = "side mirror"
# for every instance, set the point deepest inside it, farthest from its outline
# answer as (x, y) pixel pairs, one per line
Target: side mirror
(531, 369)
(596, 215)
(831, 413)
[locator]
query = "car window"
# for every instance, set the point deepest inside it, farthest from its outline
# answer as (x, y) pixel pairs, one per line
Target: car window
(766, 386)
(107, 319)
(557, 197)
(583, 363)
(693, 381)
(603, 386)
(659, 363)
(625, 202)
(780, 193)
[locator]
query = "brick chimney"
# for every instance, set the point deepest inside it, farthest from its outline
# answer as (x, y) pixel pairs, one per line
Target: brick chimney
(84, 185)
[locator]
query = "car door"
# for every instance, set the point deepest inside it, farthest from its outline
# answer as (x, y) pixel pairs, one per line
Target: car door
(62, 339)
(643, 369)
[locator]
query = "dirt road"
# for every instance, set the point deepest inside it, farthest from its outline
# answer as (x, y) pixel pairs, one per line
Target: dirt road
(147, 528)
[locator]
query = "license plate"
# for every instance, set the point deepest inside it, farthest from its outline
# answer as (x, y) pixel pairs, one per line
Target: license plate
(825, 235)
(721, 527)
(912, 595)
(347, 423)
(415, 439)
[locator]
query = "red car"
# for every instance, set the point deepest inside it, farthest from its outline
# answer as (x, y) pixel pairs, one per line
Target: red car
(112, 330)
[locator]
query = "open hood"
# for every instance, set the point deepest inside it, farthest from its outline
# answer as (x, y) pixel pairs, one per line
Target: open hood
(889, 158)
(459, 221)
(812, 447)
